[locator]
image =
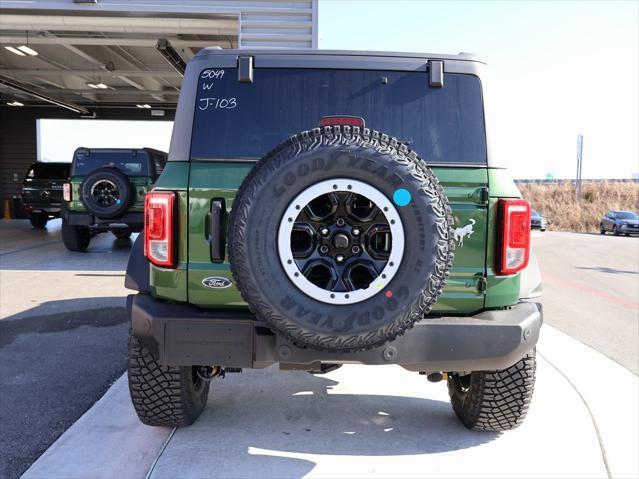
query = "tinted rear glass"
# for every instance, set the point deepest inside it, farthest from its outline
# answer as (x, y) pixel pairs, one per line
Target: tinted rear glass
(246, 120)
(44, 171)
(131, 163)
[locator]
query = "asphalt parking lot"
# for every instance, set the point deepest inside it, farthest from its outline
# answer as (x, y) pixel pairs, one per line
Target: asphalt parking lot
(63, 343)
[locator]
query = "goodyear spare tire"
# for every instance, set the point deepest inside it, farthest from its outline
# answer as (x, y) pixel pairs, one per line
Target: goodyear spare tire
(106, 192)
(340, 238)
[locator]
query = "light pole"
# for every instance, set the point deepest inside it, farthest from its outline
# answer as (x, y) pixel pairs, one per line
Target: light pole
(580, 150)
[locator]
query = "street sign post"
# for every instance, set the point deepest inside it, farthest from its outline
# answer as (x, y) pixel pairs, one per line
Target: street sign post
(580, 150)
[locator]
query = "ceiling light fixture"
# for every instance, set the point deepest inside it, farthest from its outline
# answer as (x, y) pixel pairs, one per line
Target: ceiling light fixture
(145, 105)
(44, 97)
(16, 51)
(92, 85)
(29, 51)
(15, 103)
(102, 86)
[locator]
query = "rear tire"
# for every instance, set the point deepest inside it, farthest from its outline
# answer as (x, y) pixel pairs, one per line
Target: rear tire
(615, 231)
(602, 230)
(494, 400)
(38, 220)
(164, 395)
(75, 238)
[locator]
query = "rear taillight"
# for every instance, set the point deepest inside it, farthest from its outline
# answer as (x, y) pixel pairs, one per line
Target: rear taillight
(66, 191)
(514, 244)
(159, 231)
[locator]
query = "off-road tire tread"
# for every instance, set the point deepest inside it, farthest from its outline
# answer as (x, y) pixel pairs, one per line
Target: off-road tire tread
(497, 400)
(162, 395)
(288, 151)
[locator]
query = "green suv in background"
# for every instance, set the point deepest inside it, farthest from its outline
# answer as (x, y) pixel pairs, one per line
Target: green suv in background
(42, 191)
(106, 192)
(321, 208)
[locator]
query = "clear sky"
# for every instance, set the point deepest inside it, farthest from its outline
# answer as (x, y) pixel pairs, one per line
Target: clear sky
(556, 69)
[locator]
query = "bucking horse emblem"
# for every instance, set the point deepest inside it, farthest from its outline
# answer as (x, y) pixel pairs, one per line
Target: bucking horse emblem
(464, 232)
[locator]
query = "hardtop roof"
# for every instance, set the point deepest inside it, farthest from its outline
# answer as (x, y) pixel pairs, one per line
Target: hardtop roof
(120, 150)
(470, 57)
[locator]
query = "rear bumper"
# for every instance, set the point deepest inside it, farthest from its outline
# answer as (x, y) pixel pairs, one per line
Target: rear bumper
(183, 335)
(49, 208)
(133, 221)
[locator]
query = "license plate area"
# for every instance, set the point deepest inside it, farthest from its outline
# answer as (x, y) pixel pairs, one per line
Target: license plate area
(207, 343)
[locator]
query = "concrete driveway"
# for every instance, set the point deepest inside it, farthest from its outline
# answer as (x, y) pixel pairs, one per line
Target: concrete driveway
(64, 335)
(364, 422)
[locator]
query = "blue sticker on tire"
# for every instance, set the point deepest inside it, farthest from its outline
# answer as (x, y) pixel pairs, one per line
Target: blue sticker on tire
(401, 197)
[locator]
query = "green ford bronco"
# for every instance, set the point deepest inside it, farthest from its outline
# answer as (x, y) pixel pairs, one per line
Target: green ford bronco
(321, 208)
(106, 192)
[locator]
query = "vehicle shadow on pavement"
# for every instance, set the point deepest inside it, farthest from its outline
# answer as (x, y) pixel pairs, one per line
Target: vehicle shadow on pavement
(286, 423)
(32, 322)
(68, 314)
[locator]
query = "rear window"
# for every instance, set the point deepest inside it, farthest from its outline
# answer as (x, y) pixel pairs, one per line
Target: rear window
(246, 120)
(44, 171)
(131, 163)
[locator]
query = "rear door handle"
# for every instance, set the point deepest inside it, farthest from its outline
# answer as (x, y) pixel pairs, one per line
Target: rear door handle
(218, 210)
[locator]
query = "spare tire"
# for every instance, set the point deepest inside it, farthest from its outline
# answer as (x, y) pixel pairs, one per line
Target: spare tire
(106, 192)
(340, 238)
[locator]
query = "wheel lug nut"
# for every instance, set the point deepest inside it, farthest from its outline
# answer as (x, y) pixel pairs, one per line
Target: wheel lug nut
(356, 231)
(324, 231)
(323, 249)
(340, 222)
(339, 258)
(355, 249)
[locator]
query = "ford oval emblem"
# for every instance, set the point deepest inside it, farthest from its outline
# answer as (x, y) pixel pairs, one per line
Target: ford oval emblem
(216, 282)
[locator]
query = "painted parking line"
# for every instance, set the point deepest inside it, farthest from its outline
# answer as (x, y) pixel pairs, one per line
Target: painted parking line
(612, 298)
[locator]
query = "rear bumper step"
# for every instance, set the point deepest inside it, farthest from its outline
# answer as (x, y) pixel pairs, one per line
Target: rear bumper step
(183, 335)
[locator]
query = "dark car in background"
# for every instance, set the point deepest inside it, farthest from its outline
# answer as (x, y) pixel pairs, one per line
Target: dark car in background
(619, 222)
(42, 191)
(537, 221)
(105, 192)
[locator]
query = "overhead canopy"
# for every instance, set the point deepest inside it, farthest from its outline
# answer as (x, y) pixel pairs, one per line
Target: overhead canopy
(105, 53)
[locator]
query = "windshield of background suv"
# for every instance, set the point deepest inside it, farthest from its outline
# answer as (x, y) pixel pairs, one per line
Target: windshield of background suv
(51, 171)
(128, 162)
(627, 215)
(247, 120)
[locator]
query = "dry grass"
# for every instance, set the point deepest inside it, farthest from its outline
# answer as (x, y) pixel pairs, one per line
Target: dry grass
(557, 202)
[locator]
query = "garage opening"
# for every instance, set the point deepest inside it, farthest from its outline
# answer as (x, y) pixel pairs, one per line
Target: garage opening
(58, 139)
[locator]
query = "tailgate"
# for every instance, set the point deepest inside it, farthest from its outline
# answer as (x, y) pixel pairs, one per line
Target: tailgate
(215, 183)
